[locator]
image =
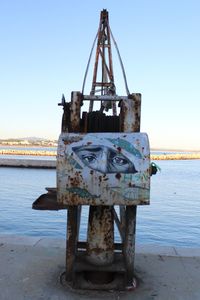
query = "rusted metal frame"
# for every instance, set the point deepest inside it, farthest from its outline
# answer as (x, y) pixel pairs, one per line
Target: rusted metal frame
(130, 113)
(129, 242)
(110, 53)
(110, 69)
(114, 108)
(72, 239)
(74, 212)
(94, 79)
(104, 98)
(78, 222)
(100, 84)
(85, 122)
(119, 224)
(101, 45)
(73, 226)
(75, 111)
(122, 212)
(137, 110)
(95, 65)
(95, 72)
(65, 125)
(105, 65)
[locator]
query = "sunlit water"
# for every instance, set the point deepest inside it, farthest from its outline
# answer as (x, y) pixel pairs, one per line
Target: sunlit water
(173, 218)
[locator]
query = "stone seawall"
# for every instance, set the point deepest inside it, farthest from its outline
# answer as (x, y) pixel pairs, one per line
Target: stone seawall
(28, 163)
(176, 156)
(27, 152)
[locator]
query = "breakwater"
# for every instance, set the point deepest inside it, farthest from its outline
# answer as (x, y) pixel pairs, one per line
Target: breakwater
(176, 156)
(167, 156)
(27, 152)
(28, 163)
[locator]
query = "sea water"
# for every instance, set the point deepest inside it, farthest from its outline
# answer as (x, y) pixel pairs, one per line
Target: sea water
(172, 218)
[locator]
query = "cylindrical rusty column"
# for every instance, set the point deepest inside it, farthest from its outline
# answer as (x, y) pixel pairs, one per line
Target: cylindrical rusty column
(100, 238)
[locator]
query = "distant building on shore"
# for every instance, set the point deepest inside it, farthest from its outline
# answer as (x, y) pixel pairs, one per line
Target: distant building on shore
(27, 142)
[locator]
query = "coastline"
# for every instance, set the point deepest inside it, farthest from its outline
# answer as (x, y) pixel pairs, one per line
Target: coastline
(28, 163)
(165, 156)
(176, 156)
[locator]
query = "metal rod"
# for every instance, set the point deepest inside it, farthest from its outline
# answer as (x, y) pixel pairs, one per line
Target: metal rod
(119, 225)
(104, 98)
(122, 212)
(121, 63)
(88, 64)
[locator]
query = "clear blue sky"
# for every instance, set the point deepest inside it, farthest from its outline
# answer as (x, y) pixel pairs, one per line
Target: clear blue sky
(44, 50)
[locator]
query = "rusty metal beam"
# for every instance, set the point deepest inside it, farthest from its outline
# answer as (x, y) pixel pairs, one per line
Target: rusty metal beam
(122, 212)
(72, 238)
(119, 224)
(130, 113)
(103, 53)
(129, 242)
(75, 109)
(104, 98)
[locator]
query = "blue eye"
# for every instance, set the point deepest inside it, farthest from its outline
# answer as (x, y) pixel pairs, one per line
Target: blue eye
(118, 160)
(89, 158)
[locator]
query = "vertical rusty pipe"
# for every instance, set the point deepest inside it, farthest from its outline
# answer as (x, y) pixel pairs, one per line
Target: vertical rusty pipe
(100, 238)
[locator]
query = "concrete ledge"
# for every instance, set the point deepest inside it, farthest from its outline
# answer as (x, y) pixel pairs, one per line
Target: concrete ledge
(61, 243)
(28, 163)
(31, 269)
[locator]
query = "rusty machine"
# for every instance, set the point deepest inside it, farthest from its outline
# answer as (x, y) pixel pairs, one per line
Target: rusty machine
(103, 161)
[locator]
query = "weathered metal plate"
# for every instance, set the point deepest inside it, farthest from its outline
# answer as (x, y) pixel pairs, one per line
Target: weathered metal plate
(103, 169)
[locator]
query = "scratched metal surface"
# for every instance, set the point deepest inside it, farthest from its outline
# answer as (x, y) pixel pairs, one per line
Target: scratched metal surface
(103, 169)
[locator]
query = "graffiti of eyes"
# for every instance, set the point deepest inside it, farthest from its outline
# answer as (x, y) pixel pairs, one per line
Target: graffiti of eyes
(89, 158)
(120, 161)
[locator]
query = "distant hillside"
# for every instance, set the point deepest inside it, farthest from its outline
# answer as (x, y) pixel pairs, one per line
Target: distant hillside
(28, 141)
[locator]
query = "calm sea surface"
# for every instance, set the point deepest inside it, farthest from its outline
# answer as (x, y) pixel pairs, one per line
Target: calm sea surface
(173, 218)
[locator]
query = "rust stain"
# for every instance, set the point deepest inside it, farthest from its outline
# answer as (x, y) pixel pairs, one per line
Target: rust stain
(118, 176)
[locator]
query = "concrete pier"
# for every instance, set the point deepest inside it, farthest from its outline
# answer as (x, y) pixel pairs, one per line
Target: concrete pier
(31, 268)
(28, 163)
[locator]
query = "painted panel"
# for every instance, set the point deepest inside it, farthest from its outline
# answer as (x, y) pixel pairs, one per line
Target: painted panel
(103, 169)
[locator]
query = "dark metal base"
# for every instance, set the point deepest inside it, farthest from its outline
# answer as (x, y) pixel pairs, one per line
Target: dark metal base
(90, 277)
(81, 283)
